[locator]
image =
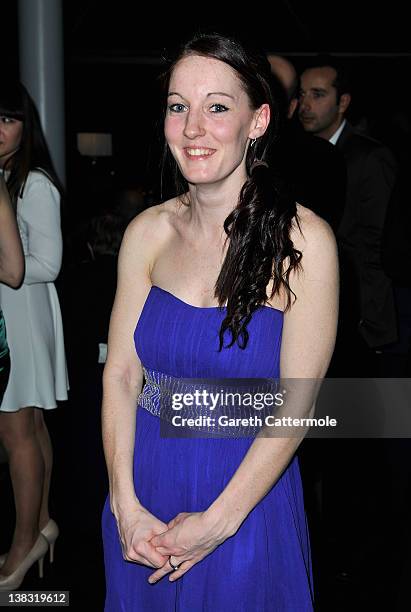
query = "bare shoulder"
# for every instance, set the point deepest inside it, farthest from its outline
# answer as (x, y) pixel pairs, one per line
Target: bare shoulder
(152, 221)
(314, 238)
(151, 228)
(310, 323)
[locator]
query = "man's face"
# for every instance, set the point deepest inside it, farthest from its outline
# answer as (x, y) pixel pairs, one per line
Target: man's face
(319, 111)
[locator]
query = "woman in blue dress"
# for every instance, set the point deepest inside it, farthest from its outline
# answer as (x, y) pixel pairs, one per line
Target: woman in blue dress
(229, 279)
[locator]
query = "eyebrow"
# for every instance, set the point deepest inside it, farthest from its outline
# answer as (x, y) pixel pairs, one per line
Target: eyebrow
(212, 93)
(220, 93)
(318, 90)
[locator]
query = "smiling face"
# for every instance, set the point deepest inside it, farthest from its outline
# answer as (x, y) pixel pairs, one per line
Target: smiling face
(11, 131)
(209, 120)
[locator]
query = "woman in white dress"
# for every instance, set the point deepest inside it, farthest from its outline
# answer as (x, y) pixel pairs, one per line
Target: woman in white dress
(38, 376)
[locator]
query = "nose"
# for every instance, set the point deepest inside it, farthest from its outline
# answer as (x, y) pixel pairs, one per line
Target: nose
(305, 104)
(194, 124)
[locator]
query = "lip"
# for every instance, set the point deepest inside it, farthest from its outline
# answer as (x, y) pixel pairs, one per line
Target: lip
(303, 118)
(198, 157)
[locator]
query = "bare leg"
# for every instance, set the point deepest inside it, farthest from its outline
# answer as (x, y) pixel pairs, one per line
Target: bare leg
(43, 439)
(17, 432)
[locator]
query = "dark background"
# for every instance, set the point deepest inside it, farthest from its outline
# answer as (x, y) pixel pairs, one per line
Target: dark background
(113, 58)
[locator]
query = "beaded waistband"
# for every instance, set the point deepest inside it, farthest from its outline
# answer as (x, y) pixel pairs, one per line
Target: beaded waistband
(206, 407)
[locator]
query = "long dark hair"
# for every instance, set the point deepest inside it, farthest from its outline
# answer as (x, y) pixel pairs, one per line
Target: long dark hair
(33, 153)
(260, 248)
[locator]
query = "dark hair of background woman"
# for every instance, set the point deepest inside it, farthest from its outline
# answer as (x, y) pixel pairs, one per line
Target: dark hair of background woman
(259, 226)
(33, 153)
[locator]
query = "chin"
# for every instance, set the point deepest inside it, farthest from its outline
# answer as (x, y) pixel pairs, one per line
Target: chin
(198, 176)
(309, 127)
(200, 180)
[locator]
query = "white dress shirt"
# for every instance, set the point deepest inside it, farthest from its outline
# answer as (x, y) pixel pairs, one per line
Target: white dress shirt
(337, 134)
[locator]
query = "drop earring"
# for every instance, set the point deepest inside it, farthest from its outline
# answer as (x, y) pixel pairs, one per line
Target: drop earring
(253, 141)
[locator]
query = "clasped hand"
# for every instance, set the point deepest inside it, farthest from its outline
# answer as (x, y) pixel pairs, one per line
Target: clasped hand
(188, 538)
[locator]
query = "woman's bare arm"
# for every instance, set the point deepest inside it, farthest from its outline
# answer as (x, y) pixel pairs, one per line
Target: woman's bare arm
(123, 377)
(307, 344)
(11, 252)
(122, 382)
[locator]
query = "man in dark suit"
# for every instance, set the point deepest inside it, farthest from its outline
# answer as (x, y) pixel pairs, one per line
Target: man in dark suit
(314, 168)
(355, 469)
(317, 172)
(368, 319)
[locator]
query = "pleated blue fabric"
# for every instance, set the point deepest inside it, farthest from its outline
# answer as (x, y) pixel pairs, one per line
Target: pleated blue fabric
(266, 565)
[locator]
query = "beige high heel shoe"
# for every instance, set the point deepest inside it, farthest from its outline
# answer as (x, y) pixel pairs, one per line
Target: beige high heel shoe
(37, 553)
(50, 532)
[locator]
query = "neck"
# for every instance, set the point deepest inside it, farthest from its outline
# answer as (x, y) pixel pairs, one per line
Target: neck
(212, 203)
(330, 131)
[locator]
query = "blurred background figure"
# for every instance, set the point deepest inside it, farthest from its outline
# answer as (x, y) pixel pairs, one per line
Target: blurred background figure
(313, 168)
(89, 289)
(38, 376)
(367, 310)
(124, 200)
(130, 201)
(287, 75)
(317, 172)
(87, 297)
(365, 481)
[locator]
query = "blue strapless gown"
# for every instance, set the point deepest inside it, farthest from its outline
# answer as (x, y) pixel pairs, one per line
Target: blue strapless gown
(265, 566)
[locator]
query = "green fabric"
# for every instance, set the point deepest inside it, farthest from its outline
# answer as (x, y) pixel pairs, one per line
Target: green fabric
(4, 347)
(4, 358)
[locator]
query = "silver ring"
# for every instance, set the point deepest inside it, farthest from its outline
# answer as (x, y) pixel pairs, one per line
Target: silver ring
(174, 567)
